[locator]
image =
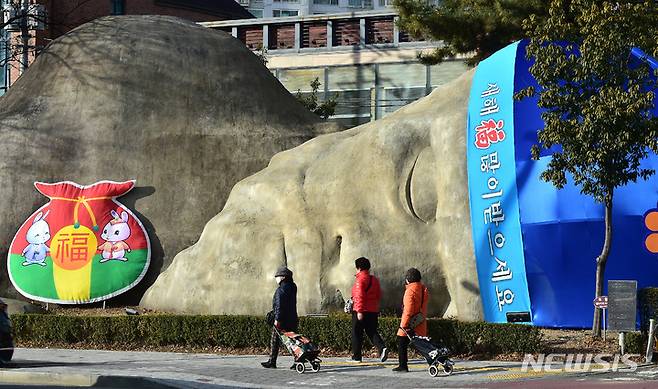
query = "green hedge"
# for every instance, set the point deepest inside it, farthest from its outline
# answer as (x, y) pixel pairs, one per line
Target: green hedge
(636, 343)
(331, 332)
(648, 302)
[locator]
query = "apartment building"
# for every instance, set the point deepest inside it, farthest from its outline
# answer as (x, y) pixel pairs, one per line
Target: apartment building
(361, 59)
(284, 8)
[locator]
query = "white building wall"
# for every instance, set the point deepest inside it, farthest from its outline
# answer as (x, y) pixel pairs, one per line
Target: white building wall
(277, 8)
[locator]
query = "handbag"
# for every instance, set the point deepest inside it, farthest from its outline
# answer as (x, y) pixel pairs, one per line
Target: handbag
(349, 304)
(418, 318)
(269, 318)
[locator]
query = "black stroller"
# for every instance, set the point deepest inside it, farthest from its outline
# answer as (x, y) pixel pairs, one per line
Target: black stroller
(436, 357)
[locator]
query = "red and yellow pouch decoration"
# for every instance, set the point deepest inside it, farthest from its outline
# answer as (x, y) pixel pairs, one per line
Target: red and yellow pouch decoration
(83, 246)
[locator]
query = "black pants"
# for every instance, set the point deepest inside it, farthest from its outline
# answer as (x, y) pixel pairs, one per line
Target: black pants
(275, 343)
(403, 349)
(369, 325)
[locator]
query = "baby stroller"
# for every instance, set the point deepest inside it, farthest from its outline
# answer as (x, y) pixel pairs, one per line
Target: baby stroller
(436, 357)
(301, 348)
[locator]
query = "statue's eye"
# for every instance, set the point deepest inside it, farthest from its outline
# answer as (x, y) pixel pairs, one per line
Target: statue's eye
(116, 232)
(420, 194)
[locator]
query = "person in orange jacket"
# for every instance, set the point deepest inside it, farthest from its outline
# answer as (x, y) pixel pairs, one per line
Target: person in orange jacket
(366, 295)
(415, 301)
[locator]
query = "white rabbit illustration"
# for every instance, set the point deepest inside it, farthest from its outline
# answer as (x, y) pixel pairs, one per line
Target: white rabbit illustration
(37, 235)
(115, 233)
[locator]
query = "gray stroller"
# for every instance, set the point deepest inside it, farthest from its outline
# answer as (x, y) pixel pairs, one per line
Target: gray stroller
(437, 357)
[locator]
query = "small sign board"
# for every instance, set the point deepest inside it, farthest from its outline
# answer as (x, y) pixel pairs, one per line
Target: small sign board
(622, 305)
(601, 302)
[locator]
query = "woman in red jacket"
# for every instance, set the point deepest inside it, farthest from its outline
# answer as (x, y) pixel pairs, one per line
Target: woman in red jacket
(366, 294)
(414, 302)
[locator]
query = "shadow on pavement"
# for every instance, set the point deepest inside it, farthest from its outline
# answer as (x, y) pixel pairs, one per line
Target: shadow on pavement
(112, 382)
(415, 368)
(26, 364)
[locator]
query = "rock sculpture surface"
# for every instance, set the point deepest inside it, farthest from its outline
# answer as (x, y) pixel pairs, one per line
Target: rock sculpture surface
(185, 110)
(394, 190)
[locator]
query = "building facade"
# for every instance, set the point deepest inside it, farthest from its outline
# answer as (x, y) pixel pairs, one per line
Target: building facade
(361, 59)
(283, 8)
(64, 15)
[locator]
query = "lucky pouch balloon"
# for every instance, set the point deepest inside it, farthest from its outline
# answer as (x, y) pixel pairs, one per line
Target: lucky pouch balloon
(82, 246)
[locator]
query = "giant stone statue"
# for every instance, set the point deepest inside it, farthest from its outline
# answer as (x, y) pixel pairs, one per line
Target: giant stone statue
(448, 185)
(393, 190)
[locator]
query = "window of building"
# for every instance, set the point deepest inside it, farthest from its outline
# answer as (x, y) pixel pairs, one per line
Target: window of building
(118, 7)
(360, 3)
(325, 2)
(277, 13)
(256, 12)
(386, 3)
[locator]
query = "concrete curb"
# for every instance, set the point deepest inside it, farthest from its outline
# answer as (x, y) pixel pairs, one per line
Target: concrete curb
(39, 378)
(79, 380)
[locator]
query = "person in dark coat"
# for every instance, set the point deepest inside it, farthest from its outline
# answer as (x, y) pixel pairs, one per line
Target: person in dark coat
(284, 306)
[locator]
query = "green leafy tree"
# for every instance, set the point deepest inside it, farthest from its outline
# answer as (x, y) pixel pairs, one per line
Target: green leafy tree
(262, 55)
(477, 28)
(324, 108)
(597, 106)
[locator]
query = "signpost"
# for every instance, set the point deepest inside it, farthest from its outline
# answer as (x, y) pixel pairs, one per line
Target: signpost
(602, 302)
(623, 307)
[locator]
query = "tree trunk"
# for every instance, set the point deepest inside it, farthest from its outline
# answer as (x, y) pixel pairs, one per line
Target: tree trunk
(600, 266)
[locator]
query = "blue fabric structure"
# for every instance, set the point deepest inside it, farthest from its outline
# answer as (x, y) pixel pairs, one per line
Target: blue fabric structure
(492, 188)
(562, 230)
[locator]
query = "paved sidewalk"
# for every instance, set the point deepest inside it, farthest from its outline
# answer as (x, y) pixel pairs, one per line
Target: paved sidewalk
(152, 369)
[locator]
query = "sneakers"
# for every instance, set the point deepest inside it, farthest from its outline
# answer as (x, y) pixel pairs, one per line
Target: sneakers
(401, 369)
(384, 355)
(269, 365)
(352, 360)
